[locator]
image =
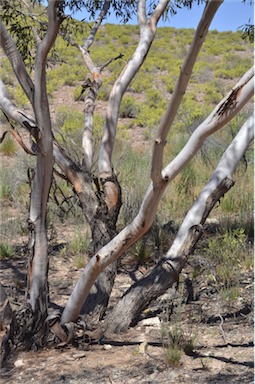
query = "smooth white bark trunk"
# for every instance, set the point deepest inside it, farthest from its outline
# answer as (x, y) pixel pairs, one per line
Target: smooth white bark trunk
(225, 169)
(237, 98)
(139, 296)
(147, 34)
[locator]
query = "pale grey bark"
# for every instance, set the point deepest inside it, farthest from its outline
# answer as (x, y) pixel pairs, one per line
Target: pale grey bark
(89, 105)
(147, 34)
(166, 272)
(16, 61)
(129, 235)
(180, 89)
(142, 222)
(40, 128)
(24, 119)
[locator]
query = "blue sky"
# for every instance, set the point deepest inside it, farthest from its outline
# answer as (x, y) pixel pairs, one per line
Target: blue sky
(229, 17)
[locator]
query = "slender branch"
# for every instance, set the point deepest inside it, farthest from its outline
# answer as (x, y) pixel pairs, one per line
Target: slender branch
(166, 272)
(181, 86)
(41, 107)
(141, 13)
(17, 137)
(87, 138)
(34, 18)
(147, 34)
(16, 61)
(120, 55)
(3, 136)
(89, 41)
(142, 222)
(240, 94)
(24, 119)
(158, 11)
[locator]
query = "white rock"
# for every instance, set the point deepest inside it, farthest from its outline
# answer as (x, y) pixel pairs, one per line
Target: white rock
(143, 347)
(151, 322)
(19, 363)
(79, 355)
(107, 347)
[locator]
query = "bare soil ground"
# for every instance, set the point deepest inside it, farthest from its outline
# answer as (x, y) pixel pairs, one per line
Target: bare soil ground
(223, 336)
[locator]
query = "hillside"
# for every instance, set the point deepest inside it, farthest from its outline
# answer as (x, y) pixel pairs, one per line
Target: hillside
(212, 306)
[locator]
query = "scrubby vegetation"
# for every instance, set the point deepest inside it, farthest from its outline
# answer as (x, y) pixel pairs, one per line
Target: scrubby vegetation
(224, 58)
(225, 253)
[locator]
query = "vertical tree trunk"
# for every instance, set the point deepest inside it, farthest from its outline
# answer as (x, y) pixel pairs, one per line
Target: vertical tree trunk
(102, 220)
(103, 229)
(38, 272)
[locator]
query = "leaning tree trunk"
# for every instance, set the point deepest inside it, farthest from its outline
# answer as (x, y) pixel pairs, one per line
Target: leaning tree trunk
(106, 201)
(166, 273)
(221, 115)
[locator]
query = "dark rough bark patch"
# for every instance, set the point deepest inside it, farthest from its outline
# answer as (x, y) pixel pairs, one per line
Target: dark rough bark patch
(27, 330)
(138, 297)
(6, 320)
(103, 227)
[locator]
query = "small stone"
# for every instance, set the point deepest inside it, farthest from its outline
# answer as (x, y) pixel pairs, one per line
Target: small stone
(143, 347)
(79, 355)
(151, 322)
(19, 363)
(107, 347)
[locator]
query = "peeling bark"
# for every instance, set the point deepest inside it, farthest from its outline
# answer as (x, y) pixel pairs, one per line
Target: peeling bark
(16, 61)
(139, 296)
(38, 273)
(140, 225)
(147, 35)
(101, 206)
(165, 274)
(6, 320)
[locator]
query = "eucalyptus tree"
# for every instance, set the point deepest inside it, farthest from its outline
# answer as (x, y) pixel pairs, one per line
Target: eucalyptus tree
(100, 195)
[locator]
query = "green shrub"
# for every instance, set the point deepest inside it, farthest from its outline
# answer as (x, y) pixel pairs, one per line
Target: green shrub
(19, 96)
(104, 92)
(79, 244)
(141, 82)
(226, 253)
(5, 186)
(80, 261)
(128, 107)
(149, 116)
(187, 181)
(8, 146)
(70, 120)
(140, 251)
(6, 251)
(175, 341)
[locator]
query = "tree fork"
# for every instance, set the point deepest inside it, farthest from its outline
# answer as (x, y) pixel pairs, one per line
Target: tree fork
(220, 182)
(138, 297)
(97, 301)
